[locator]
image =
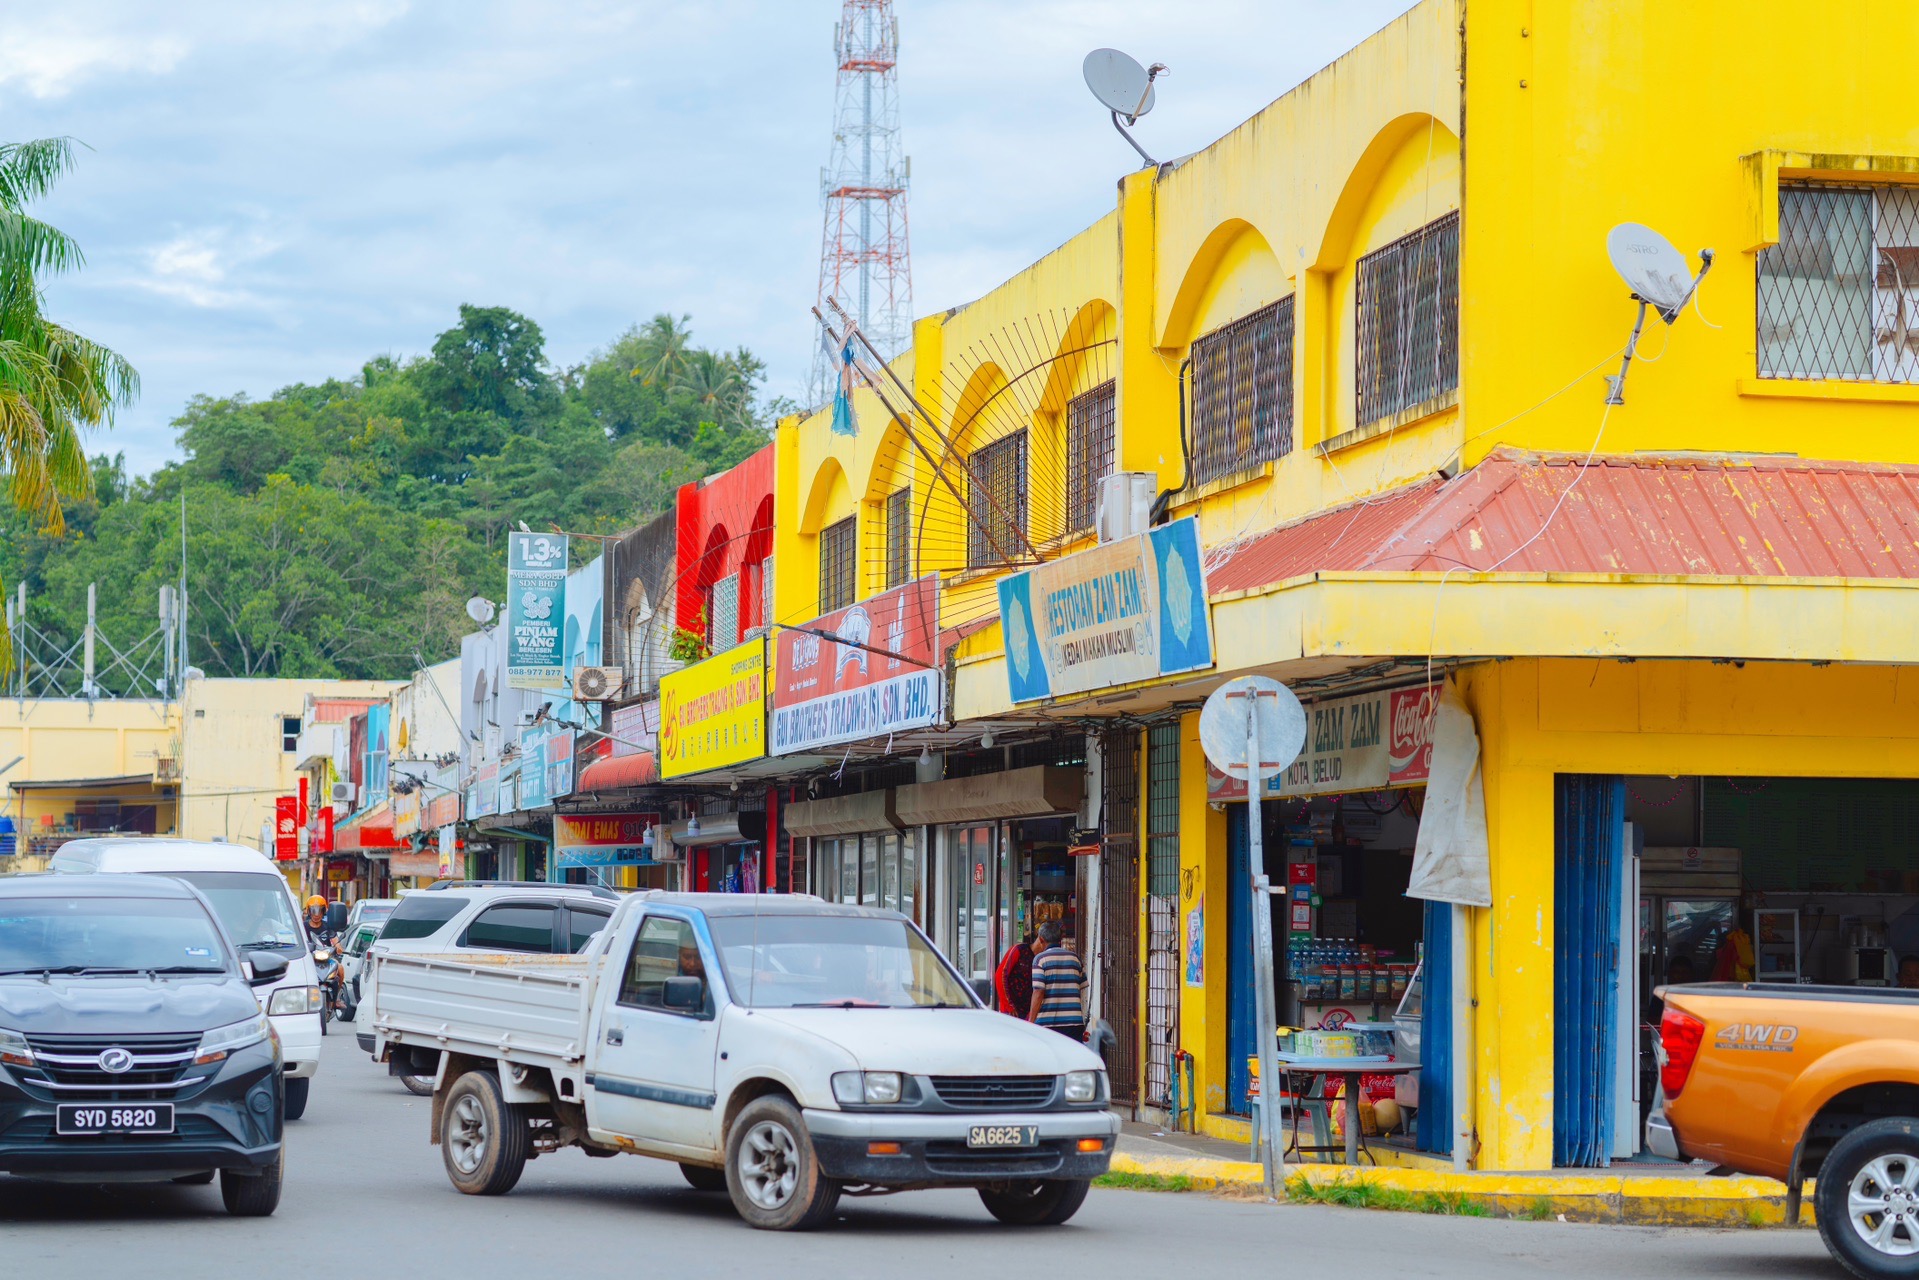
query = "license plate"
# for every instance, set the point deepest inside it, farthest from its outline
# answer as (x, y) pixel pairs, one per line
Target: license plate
(1003, 1135)
(107, 1117)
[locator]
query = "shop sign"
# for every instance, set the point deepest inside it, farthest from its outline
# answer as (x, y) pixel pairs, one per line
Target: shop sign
(338, 875)
(442, 804)
(713, 713)
(1129, 610)
(1364, 743)
(826, 691)
(406, 811)
(483, 797)
(559, 764)
(635, 729)
(535, 610)
(603, 839)
(286, 828)
(410, 862)
(533, 792)
(509, 801)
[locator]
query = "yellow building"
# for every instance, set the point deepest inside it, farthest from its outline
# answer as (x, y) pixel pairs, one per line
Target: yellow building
(70, 765)
(1363, 339)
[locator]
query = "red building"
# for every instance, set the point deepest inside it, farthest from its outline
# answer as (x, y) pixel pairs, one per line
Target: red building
(725, 546)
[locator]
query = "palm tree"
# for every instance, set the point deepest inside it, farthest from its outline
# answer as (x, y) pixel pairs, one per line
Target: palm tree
(53, 382)
(664, 342)
(714, 383)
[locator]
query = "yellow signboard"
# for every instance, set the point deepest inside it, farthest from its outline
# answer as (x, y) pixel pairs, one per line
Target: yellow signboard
(713, 714)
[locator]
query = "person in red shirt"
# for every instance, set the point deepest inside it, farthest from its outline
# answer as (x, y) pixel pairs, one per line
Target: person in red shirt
(1013, 979)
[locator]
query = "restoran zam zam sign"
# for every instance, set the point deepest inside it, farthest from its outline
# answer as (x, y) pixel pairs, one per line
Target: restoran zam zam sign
(1133, 609)
(879, 675)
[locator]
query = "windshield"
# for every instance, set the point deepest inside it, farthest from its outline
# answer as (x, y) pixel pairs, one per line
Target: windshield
(77, 935)
(801, 962)
(253, 906)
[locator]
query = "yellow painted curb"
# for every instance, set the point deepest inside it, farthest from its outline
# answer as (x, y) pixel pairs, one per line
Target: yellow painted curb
(1641, 1198)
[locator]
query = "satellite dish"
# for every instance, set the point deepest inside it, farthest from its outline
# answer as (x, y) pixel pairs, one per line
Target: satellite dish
(1651, 268)
(1279, 730)
(1119, 82)
(480, 609)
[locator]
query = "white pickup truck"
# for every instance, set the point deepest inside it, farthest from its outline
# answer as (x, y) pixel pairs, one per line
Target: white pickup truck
(777, 1047)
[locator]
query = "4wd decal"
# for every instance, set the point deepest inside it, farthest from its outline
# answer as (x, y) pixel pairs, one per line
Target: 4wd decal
(1759, 1037)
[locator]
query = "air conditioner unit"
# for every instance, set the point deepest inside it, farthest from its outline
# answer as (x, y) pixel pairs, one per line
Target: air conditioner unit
(1125, 504)
(598, 684)
(344, 793)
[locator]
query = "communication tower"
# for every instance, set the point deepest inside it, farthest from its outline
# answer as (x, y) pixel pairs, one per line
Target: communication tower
(864, 265)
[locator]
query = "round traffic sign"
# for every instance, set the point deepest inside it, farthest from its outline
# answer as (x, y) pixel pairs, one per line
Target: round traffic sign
(1278, 726)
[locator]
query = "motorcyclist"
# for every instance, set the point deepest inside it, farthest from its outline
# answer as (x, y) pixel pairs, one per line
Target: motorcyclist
(331, 973)
(316, 918)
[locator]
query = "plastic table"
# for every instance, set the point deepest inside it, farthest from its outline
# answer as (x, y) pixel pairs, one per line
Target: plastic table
(1349, 1070)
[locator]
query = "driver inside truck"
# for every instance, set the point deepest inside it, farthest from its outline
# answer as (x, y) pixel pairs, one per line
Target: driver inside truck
(690, 963)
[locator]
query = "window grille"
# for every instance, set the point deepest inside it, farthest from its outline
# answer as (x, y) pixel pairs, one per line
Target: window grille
(1243, 393)
(1119, 905)
(836, 565)
(899, 532)
(1162, 908)
(723, 615)
(1162, 808)
(1089, 453)
(1408, 304)
(996, 501)
(1839, 292)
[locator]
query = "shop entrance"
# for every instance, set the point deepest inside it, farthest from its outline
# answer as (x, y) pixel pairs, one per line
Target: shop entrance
(972, 864)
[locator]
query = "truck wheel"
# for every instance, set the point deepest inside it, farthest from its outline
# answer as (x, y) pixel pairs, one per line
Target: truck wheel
(483, 1138)
(772, 1173)
(421, 1085)
(253, 1195)
(1867, 1199)
(297, 1091)
(701, 1178)
(1035, 1204)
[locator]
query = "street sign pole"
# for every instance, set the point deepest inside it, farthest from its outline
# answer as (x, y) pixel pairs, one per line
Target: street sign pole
(1249, 727)
(1264, 991)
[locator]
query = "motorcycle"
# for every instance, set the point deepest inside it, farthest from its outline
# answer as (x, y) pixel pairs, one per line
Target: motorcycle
(337, 1001)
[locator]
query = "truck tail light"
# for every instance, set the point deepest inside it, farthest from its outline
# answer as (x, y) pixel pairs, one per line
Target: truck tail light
(1679, 1035)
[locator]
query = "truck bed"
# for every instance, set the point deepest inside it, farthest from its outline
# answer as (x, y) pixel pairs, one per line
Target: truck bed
(515, 1007)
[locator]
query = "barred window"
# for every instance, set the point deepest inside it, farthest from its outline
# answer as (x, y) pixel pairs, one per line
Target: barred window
(996, 501)
(1839, 293)
(1089, 453)
(899, 532)
(1162, 808)
(1243, 393)
(723, 615)
(837, 544)
(1408, 304)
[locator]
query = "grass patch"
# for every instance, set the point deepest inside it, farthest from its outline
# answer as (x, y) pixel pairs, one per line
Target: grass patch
(1362, 1194)
(1540, 1210)
(1146, 1182)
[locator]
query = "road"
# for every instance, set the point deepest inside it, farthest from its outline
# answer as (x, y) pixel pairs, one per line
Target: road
(365, 1194)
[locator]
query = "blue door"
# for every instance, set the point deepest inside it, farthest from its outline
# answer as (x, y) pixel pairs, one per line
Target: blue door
(1588, 866)
(1434, 1124)
(1240, 1044)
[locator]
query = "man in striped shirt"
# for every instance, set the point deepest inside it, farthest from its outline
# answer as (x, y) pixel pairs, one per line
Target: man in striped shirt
(1059, 982)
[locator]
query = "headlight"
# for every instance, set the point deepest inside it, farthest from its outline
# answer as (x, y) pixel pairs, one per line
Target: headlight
(295, 1000)
(13, 1049)
(221, 1041)
(323, 955)
(1083, 1086)
(867, 1088)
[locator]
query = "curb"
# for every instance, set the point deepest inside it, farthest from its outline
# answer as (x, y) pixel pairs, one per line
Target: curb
(1689, 1200)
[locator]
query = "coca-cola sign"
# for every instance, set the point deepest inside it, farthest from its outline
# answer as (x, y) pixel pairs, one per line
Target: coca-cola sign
(1364, 743)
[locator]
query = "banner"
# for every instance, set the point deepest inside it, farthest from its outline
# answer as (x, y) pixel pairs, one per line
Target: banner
(286, 828)
(636, 729)
(1130, 610)
(483, 796)
(442, 805)
(604, 839)
(825, 691)
(1365, 743)
(323, 843)
(448, 845)
(713, 713)
(406, 808)
(559, 764)
(535, 610)
(533, 783)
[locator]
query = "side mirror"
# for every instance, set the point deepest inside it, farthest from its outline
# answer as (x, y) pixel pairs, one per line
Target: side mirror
(684, 994)
(336, 914)
(266, 968)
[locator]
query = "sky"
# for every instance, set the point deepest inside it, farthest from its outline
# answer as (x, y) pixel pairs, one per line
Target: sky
(275, 193)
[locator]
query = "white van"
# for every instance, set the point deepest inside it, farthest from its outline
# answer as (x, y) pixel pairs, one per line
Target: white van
(259, 912)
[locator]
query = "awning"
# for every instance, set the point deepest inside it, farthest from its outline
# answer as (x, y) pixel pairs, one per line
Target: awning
(640, 769)
(371, 829)
(1021, 793)
(841, 815)
(748, 827)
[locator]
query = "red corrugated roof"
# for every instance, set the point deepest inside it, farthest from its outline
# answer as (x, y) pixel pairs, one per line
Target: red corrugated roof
(340, 710)
(1632, 514)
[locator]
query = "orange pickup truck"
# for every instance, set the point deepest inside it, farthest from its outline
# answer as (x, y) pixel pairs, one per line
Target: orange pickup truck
(1798, 1082)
